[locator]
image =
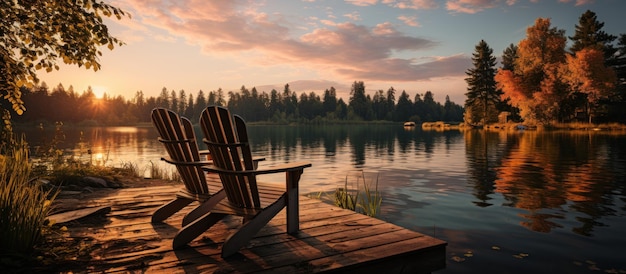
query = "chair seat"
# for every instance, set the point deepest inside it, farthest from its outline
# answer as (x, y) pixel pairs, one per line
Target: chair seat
(268, 194)
(201, 197)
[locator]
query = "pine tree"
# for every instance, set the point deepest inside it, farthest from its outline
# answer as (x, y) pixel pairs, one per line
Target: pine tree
(358, 100)
(509, 55)
(587, 66)
(330, 100)
(589, 35)
(481, 85)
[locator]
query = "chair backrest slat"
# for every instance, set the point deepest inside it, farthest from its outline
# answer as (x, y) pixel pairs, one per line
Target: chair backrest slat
(177, 135)
(227, 139)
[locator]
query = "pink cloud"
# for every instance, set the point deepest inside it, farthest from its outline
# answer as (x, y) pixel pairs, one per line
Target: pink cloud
(578, 2)
(362, 3)
(349, 50)
(413, 4)
(354, 16)
(409, 20)
(470, 6)
(408, 70)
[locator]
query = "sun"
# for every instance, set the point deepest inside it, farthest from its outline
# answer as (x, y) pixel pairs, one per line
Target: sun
(99, 91)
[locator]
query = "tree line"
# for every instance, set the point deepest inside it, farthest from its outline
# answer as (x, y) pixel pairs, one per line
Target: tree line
(286, 106)
(542, 82)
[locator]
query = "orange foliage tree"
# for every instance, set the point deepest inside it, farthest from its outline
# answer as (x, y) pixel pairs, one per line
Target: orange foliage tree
(535, 85)
(586, 73)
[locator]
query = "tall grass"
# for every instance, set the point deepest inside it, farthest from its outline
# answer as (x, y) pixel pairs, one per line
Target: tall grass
(346, 198)
(366, 201)
(24, 205)
(158, 172)
(371, 199)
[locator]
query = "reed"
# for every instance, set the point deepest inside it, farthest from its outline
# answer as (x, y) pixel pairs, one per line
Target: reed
(24, 204)
(371, 199)
(346, 198)
(366, 201)
(132, 169)
(158, 172)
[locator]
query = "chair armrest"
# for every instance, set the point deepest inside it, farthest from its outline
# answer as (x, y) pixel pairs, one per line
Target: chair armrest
(201, 163)
(207, 152)
(274, 169)
(179, 163)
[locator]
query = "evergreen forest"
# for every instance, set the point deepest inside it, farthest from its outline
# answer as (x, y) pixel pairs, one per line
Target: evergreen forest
(45, 105)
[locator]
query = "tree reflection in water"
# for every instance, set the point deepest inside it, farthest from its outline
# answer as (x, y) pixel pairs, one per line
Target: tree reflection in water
(548, 174)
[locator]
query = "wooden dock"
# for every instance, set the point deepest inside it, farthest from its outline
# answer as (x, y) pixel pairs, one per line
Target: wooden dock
(331, 240)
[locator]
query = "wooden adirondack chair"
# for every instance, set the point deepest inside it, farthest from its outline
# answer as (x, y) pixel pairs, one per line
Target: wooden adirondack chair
(227, 139)
(177, 135)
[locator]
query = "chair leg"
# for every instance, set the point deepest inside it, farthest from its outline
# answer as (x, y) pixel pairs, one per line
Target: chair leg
(195, 228)
(204, 207)
(167, 210)
(293, 207)
(246, 232)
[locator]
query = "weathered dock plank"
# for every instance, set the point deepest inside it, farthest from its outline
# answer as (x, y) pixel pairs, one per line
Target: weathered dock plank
(331, 239)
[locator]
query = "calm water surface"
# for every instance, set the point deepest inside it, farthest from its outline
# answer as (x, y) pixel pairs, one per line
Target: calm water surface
(516, 202)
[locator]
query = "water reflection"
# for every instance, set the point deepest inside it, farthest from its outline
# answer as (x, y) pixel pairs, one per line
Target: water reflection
(559, 196)
(547, 175)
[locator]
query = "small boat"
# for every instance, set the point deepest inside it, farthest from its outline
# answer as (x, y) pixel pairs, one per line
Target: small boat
(409, 124)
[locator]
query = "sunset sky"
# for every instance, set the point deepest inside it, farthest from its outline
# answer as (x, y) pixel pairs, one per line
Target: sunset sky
(413, 45)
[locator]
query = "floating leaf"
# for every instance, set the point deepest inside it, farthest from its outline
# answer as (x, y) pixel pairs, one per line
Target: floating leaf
(458, 259)
(521, 255)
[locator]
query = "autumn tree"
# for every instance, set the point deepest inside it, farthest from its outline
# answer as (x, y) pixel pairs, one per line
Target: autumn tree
(586, 74)
(35, 34)
(482, 95)
(585, 70)
(534, 85)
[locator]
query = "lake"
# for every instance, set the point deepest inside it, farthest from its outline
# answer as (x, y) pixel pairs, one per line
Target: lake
(506, 202)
